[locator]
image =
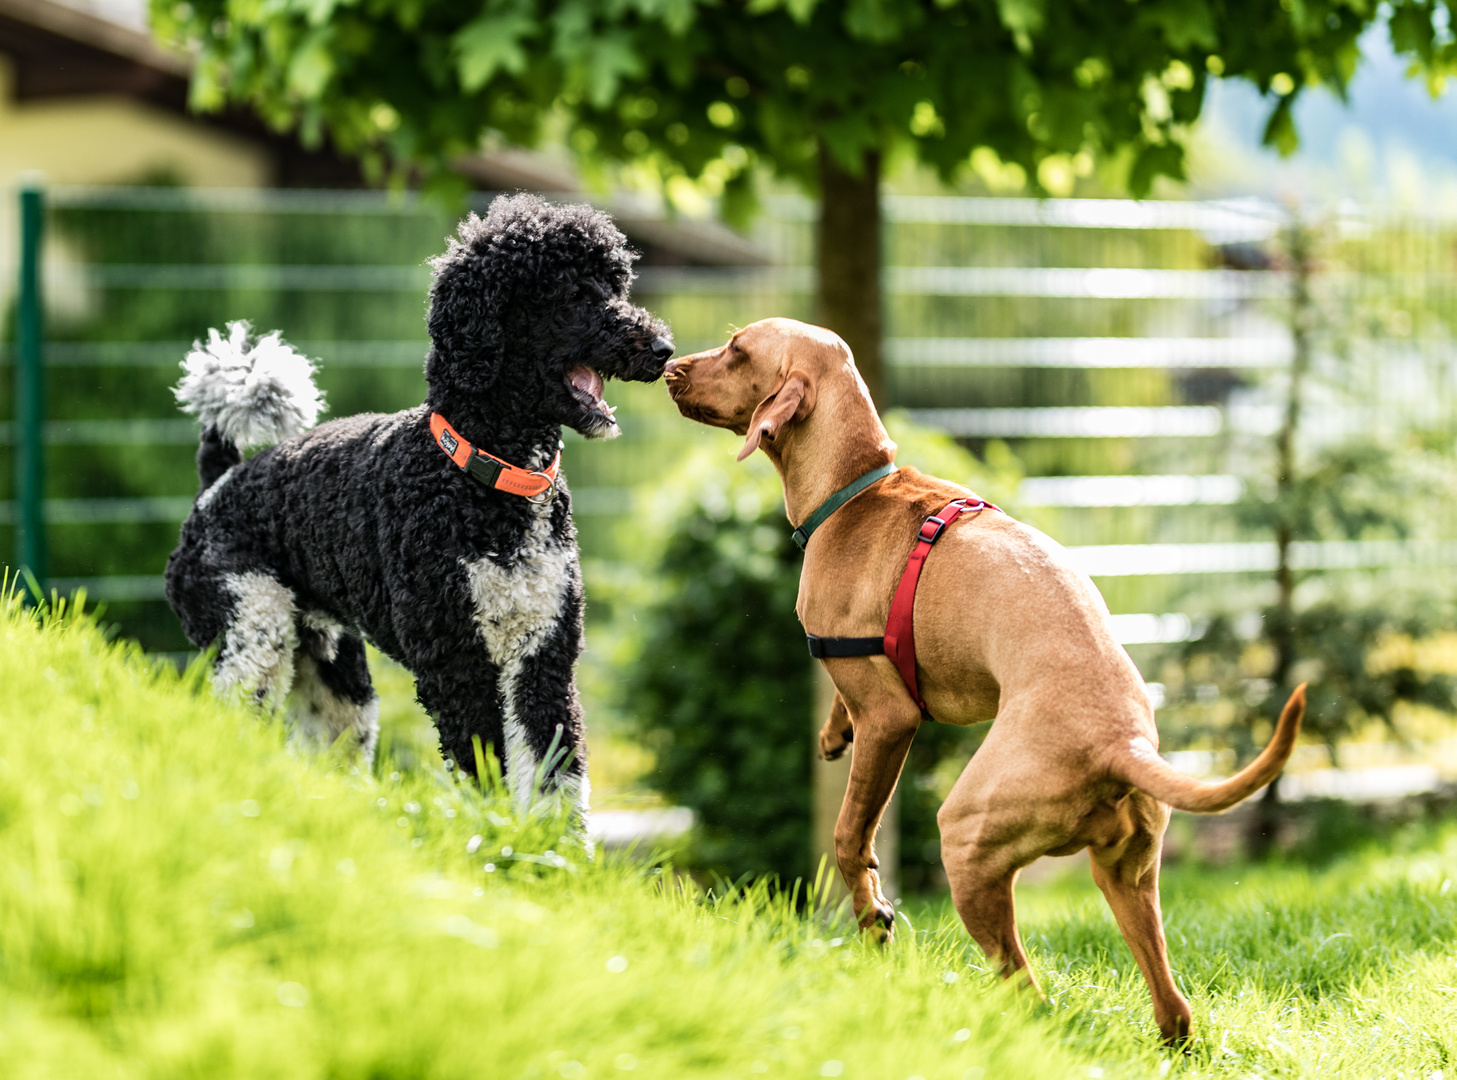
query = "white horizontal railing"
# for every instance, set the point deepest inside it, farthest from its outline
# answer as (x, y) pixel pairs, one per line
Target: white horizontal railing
(1155, 629)
(111, 587)
(260, 276)
(1165, 490)
(1071, 352)
(1086, 422)
(1236, 557)
(1100, 352)
(170, 353)
(132, 511)
(107, 511)
(1101, 560)
(110, 432)
(1059, 283)
(988, 281)
(1225, 221)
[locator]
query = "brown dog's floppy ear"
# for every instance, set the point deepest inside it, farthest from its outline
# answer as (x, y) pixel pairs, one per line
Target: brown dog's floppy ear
(792, 401)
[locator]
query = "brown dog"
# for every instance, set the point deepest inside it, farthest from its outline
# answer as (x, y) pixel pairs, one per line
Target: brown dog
(1005, 628)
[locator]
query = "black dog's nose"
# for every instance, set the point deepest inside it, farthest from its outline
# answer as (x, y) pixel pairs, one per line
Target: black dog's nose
(662, 348)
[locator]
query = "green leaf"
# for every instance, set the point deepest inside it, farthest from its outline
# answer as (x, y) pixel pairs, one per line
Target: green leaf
(877, 20)
(1280, 130)
(1024, 18)
(1153, 161)
(801, 11)
(490, 44)
(1186, 24)
(608, 59)
(312, 66)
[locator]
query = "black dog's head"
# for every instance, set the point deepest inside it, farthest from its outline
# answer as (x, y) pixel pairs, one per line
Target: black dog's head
(529, 313)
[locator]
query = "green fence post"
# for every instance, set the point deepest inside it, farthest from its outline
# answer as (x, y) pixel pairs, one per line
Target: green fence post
(30, 541)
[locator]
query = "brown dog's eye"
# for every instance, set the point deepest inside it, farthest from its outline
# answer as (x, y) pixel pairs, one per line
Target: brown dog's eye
(736, 355)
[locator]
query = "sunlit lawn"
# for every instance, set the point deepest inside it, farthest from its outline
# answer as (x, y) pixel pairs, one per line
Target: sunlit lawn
(182, 897)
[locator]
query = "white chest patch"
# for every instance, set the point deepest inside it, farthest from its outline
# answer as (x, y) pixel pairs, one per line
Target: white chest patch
(516, 607)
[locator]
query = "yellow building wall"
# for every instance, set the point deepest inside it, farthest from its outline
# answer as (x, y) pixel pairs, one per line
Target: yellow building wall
(108, 140)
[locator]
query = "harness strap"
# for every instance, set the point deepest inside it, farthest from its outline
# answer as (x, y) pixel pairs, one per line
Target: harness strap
(899, 642)
(821, 647)
(534, 486)
(838, 499)
(900, 626)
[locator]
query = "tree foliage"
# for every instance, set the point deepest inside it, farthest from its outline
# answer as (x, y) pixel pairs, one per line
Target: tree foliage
(709, 88)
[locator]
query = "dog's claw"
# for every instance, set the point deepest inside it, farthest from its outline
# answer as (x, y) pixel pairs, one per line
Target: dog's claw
(878, 922)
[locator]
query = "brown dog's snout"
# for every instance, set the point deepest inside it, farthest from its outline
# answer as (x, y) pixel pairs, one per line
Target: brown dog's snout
(675, 373)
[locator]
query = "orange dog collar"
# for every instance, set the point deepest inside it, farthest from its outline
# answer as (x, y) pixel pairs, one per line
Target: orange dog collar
(536, 487)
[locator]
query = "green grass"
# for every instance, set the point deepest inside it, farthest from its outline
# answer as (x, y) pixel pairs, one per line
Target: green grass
(180, 896)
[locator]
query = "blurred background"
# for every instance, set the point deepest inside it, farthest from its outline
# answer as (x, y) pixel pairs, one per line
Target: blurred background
(1232, 400)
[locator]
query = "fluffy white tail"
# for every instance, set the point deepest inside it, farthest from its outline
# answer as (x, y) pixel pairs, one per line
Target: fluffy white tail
(254, 392)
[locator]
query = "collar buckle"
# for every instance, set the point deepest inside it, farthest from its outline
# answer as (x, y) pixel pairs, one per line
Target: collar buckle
(930, 530)
(483, 469)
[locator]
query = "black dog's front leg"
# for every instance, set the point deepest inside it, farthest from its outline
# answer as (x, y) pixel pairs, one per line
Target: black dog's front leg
(520, 701)
(461, 695)
(542, 701)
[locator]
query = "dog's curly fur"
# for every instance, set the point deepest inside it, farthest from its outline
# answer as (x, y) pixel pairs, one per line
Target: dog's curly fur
(363, 530)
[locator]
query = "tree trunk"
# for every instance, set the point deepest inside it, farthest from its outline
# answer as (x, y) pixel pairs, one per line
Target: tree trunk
(1282, 632)
(847, 254)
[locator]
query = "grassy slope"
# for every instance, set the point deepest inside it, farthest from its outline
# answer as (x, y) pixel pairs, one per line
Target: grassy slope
(181, 897)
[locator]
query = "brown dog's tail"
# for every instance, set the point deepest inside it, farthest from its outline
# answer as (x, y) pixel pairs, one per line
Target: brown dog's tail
(1144, 769)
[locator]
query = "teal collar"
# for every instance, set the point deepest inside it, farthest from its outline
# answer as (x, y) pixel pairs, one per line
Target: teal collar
(837, 500)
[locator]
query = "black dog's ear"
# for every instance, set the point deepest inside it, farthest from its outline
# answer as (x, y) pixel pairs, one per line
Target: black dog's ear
(464, 321)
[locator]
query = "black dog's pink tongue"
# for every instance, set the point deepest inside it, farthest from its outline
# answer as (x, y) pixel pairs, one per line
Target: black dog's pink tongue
(587, 381)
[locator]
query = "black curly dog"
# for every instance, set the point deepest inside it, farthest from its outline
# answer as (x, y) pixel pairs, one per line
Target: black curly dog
(364, 529)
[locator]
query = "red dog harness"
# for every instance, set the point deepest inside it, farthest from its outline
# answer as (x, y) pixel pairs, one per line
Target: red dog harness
(899, 642)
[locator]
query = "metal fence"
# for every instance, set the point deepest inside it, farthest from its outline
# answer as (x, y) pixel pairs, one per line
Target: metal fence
(1131, 354)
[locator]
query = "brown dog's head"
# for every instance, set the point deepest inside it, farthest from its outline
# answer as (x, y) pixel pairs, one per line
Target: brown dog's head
(767, 377)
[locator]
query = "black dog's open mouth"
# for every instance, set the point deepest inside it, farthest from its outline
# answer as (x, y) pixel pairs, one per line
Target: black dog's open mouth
(587, 387)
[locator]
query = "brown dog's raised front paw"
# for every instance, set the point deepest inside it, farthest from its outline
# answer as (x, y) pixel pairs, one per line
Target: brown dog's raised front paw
(838, 732)
(833, 742)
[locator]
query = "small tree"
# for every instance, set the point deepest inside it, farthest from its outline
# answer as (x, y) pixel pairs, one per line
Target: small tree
(821, 91)
(1355, 650)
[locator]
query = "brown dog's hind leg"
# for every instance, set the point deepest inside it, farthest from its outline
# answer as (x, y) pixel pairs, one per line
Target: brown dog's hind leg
(985, 902)
(1010, 806)
(1128, 875)
(838, 732)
